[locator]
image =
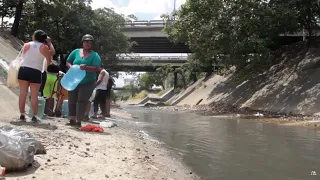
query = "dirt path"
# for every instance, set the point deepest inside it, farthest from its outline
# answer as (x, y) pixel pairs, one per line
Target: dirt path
(114, 154)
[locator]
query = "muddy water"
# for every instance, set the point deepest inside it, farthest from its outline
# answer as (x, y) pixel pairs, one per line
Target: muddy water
(220, 149)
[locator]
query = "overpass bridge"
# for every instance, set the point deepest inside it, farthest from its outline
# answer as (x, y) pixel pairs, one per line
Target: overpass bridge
(150, 37)
(136, 63)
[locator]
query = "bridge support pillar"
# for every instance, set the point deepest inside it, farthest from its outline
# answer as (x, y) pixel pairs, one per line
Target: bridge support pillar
(175, 79)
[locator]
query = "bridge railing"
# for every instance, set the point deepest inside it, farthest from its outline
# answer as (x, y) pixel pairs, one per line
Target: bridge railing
(159, 23)
(182, 58)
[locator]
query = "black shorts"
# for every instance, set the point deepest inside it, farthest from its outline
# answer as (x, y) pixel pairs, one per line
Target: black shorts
(29, 74)
(108, 93)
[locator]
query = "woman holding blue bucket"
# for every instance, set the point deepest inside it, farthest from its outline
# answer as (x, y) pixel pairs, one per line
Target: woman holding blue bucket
(90, 62)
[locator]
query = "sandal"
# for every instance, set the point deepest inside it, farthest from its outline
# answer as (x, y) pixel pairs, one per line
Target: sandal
(35, 119)
(71, 123)
(77, 124)
(22, 117)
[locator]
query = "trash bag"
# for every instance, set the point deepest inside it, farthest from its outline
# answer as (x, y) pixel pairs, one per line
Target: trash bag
(17, 148)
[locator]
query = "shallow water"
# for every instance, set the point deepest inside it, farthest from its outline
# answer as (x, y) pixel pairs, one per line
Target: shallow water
(221, 149)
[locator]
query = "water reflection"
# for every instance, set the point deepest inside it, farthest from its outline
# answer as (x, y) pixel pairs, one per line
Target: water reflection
(236, 149)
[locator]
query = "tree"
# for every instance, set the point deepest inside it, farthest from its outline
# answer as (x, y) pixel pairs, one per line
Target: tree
(66, 21)
(6, 9)
(150, 79)
(231, 32)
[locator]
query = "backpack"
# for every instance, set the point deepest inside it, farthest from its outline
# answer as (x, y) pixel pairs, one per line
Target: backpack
(110, 83)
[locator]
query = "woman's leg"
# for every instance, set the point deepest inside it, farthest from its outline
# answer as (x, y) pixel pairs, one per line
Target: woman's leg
(85, 91)
(43, 82)
(34, 88)
(96, 102)
(103, 103)
(108, 103)
(23, 85)
(72, 104)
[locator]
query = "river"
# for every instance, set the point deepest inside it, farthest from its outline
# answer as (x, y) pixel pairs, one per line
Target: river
(222, 149)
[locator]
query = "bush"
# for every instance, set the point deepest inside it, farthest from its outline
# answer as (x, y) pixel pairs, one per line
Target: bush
(141, 95)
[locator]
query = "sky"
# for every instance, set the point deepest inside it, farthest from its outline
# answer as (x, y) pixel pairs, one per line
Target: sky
(142, 9)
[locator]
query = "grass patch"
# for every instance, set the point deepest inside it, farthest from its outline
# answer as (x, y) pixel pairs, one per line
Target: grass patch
(163, 92)
(141, 95)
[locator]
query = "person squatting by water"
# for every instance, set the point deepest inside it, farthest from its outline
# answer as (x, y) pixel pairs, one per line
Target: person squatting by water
(90, 62)
(101, 93)
(30, 72)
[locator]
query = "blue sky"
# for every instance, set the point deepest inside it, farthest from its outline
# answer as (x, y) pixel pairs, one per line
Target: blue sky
(143, 9)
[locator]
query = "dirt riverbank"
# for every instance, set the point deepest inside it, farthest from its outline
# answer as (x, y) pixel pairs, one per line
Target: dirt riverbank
(220, 110)
(118, 153)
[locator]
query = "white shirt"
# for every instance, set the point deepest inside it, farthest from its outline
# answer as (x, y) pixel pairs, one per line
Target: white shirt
(104, 82)
(33, 57)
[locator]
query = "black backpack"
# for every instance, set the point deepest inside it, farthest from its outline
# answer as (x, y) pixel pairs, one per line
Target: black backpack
(110, 83)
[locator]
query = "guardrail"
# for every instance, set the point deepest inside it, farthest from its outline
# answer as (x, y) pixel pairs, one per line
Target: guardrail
(153, 23)
(182, 58)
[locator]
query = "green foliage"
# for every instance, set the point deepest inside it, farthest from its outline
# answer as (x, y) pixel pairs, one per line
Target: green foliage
(162, 92)
(147, 80)
(237, 32)
(141, 95)
(66, 21)
(7, 9)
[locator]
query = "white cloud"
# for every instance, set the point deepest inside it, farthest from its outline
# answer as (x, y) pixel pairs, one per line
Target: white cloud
(151, 7)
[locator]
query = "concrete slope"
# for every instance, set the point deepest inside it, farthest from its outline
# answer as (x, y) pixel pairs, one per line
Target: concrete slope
(8, 99)
(291, 85)
(9, 46)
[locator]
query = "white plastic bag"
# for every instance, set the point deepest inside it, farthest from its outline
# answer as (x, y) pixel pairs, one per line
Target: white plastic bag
(17, 148)
(12, 80)
(93, 95)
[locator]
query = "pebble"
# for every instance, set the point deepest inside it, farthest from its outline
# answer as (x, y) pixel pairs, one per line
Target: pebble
(87, 149)
(138, 149)
(106, 176)
(88, 144)
(147, 157)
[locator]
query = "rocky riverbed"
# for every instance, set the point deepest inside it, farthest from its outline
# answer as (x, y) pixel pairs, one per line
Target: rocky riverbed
(118, 153)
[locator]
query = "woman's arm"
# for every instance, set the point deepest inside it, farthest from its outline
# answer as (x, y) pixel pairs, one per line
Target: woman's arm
(95, 65)
(51, 47)
(26, 48)
(71, 58)
(100, 78)
(89, 68)
(44, 49)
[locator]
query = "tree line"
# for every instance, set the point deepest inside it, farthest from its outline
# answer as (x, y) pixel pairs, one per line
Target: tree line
(66, 21)
(241, 33)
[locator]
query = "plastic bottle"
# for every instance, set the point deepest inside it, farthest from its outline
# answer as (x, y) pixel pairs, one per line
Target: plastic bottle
(72, 78)
(65, 109)
(41, 107)
(91, 110)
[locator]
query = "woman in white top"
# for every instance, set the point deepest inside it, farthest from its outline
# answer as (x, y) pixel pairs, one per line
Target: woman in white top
(29, 74)
(101, 93)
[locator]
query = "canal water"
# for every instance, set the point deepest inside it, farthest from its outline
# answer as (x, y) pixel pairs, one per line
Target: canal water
(222, 149)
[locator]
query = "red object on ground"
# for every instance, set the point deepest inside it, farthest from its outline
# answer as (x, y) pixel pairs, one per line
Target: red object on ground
(92, 128)
(2, 171)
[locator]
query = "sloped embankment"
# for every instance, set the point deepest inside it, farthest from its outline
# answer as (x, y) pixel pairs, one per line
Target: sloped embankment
(290, 86)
